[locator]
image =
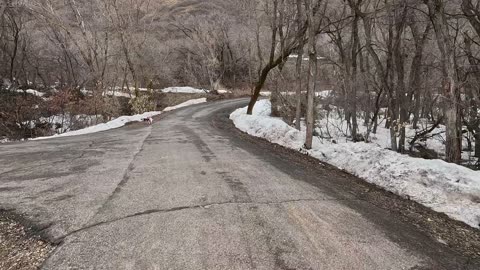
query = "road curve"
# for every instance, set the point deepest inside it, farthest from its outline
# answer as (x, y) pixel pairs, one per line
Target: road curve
(187, 193)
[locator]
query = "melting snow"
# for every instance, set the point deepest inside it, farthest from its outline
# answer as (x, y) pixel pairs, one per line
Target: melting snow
(122, 120)
(186, 103)
(444, 187)
(32, 92)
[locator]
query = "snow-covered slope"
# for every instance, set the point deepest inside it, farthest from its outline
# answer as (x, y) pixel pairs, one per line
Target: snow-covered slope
(122, 120)
(333, 125)
(444, 187)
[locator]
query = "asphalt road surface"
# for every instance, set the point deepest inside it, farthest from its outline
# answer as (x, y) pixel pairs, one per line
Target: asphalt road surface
(189, 192)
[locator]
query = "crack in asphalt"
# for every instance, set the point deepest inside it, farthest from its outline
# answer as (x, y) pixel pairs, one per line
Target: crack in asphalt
(125, 178)
(199, 206)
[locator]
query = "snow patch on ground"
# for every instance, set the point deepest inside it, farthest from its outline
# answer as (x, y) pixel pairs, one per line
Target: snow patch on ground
(331, 125)
(117, 94)
(189, 90)
(130, 92)
(444, 187)
(323, 93)
(31, 92)
(122, 120)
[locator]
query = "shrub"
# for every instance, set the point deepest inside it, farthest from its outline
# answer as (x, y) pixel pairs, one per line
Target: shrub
(144, 102)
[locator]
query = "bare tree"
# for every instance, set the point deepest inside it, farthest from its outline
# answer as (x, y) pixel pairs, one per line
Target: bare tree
(289, 41)
(451, 94)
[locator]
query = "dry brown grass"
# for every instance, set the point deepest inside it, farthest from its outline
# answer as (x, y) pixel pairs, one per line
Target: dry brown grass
(19, 247)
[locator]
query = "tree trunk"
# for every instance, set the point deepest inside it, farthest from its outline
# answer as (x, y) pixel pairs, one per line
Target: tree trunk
(364, 67)
(16, 39)
(477, 142)
(352, 97)
(415, 70)
(298, 105)
(312, 74)
(400, 71)
(416, 110)
(451, 94)
(258, 86)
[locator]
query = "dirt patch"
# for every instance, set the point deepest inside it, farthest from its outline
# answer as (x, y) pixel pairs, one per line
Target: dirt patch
(20, 246)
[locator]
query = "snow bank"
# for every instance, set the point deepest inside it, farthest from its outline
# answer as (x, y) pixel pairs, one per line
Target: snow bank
(323, 94)
(444, 187)
(115, 123)
(188, 90)
(261, 125)
(117, 94)
(122, 120)
(130, 92)
(66, 122)
(186, 103)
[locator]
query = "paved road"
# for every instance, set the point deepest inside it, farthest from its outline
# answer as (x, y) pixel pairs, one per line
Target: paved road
(186, 193)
